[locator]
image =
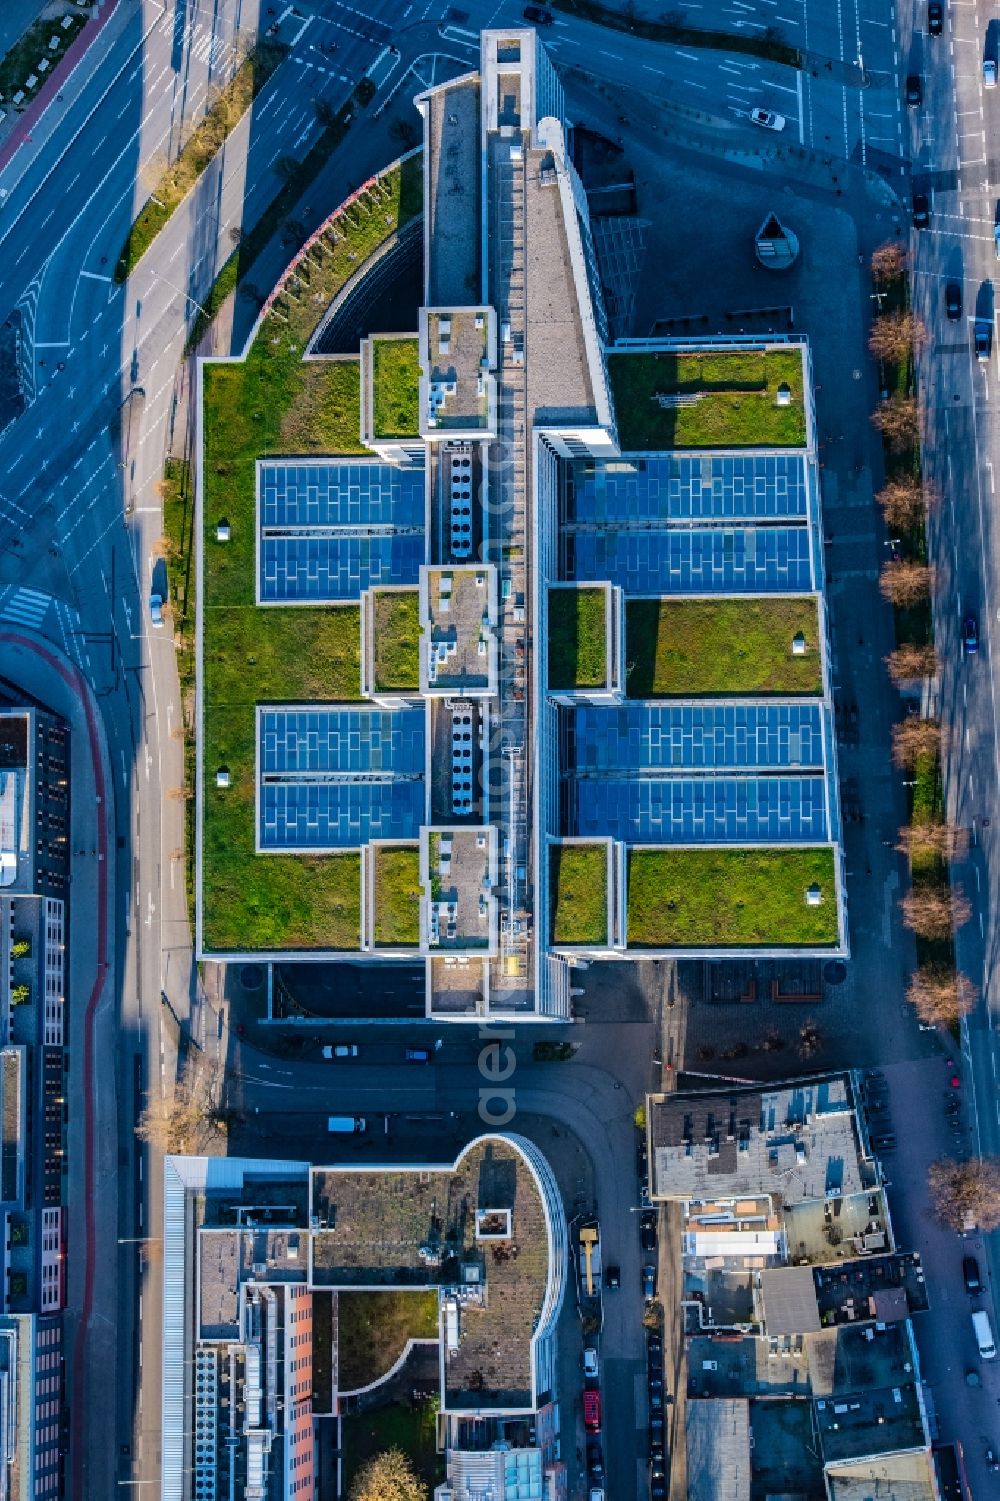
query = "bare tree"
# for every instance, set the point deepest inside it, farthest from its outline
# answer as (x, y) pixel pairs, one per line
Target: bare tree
(905, 502)
(935, 911)
(948, 841)
(810, 1039)
(888, 263)
(898, 420)
(908, 662)
(388, 1476)
(912, 738)
(940, 995)
(905, 584)
(895, 336)
(964, 1193)
(189, 1120)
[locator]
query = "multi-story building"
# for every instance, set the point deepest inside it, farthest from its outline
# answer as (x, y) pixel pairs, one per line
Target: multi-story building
(257, 1257)
(523, 658)
(34, 890)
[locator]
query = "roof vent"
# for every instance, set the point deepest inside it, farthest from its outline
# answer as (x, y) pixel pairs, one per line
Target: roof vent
(814, 895)
(798, 645)
(222, 777)
(784, 395)
(223, 532)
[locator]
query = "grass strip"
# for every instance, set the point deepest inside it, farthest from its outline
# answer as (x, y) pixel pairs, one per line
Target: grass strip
(397, 896)
(396, 381)
(234, 271)
(770, 45)
(21, 62)
(731, 898)
(728, 646)
(397, 640)
(578, 646)
(177, 492)
(579, 893)
(199, 151)
(722, 400)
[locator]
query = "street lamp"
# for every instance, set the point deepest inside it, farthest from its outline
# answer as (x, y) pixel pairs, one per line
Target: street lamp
(186, 295)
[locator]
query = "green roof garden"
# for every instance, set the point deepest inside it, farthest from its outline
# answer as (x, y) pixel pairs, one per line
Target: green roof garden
(578, 650)
(732, 898)
(397, 894)
(396, 388)
(725, 399)
(397, 640)
(579, 893)
(274, 403)
(692, 647)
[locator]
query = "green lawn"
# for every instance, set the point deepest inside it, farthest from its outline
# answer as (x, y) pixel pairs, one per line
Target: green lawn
(201, 149)
(397, 640)
(731, 646)
(577, 638)
(412, 1429)
(730, 898)
(372, 1330)
(21, 62)
(733, 403)
(269, 405)
(579, 895)
(397, 896)
(396, 382)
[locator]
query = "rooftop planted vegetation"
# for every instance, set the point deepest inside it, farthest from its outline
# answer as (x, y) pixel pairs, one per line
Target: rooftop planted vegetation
(728, 646)
(731, 898)
(274, 403)
(577, 638)
(720, 400)
(202, 146)
(397, 640)
(373, 1328)
(579, 893)
(397, 895)
(396, 388)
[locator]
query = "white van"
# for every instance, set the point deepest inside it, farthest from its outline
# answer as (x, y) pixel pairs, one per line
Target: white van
(346, 1125)
(984, 1334)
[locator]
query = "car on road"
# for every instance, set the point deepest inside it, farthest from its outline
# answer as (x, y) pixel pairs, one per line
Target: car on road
(996, 240)
(657, 1488)
(592, 1411)
(647, 1230)
(156, 609)
(655, 1393)
(982, 338)
(921, 211)
(340, 1050)
(538, 15)
(591, 1368)
(935, 17)
(970, 636)
(649, 1280)
(595, 1460)
(953, 299)
(767, 119)
(613, 1278)
(914, 89)
(989, 73)
(970, 1275)
(657, 1453)
(417, 1055)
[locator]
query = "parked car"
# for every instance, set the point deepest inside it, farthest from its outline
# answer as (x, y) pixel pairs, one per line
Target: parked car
(647, 1230)
(914, 89)
(970, 636)
(657, 1488)
(592, 1410)
(982, 338)
(537, 15)
(767, 119)
(595, 1460)
(591, 1368)
(989, 73)
(156, 609)
(953, 299)
(613, 1278)
(935, 17)
(970, 1275)
(341, 1050)
(417, 1055)
(649, 1280)
(655, 1393)
(596, 1493)
(921, 211)
(996, 240)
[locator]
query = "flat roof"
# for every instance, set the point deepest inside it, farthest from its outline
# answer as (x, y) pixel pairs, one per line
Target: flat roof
(717, 1439)
(630, 738)
(893, 1477)
(789, 1298)
(702, 810)
(453, 206)
(678, 487)
(729, 560)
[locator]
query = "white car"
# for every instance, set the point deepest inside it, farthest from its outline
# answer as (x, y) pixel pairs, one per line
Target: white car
(155, 609)
(590, 1366)
(340, 1050)
(989, 74)
(767, 119)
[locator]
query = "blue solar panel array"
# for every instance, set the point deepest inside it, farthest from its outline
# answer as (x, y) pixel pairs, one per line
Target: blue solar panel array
(321, 741)
(341, 494)
(702, 810)
(740, 560)
(635, 737)
(338, 815)
(322, 568)
(690, 488)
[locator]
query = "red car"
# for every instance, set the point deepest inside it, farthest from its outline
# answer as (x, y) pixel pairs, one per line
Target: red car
(592, 1412)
